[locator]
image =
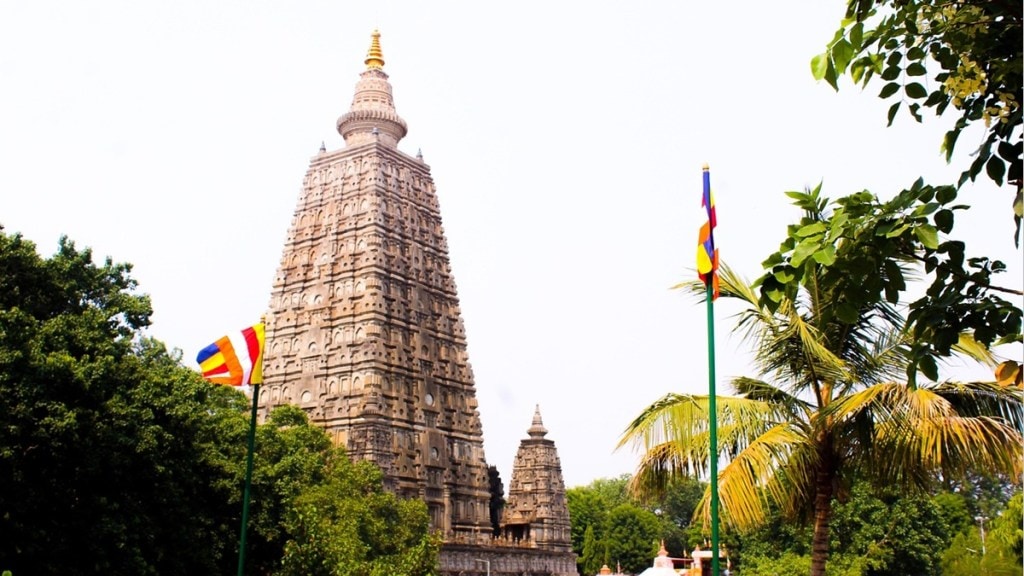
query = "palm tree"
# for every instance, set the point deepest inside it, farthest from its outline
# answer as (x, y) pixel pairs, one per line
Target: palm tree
(828, 407)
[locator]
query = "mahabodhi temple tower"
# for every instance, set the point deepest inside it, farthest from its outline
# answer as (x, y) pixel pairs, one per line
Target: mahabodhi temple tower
(364, 333)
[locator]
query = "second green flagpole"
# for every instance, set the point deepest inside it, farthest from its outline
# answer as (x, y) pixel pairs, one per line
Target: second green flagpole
(713, 413)
(248, 480)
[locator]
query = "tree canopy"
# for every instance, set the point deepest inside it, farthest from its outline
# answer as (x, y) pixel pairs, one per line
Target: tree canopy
(612, 526)
(958, 57)
(868, 249)
(106, 442)
(826, 409)
(115, 458)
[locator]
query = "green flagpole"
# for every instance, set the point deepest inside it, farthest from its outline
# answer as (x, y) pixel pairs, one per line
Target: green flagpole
(248, 480)
(713, 409)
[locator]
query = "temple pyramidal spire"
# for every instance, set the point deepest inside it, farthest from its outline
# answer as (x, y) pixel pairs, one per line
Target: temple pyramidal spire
(365, 333)
(541, 516)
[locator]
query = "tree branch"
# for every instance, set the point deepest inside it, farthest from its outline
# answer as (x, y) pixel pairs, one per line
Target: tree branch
(963, 276)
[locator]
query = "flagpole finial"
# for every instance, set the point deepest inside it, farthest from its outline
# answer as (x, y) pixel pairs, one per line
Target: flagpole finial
(706, 167)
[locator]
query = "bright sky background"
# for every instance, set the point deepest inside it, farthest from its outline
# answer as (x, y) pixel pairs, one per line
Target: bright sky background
(565, 138)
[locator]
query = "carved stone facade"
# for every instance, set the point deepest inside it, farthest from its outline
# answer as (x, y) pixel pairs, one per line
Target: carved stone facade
(364, 332)
(364, 329)
(536, 509)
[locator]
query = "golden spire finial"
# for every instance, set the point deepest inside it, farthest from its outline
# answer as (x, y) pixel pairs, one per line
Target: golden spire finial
(374, 57)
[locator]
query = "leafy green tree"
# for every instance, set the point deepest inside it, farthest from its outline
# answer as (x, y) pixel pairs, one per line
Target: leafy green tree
(315, 512)
(866, 249)
(786, 563)
(970, 50)
(349, 525)
(590, 507)
(985, 493)
(964, 558)
(827, 408)
(1008, 528)
(291, 456)
(895, 535)
(110, 450)
(587, 510)
(117, 460)
(876, 534)
(675, 508)
(954, 511)
(962, 59)
(612, 491)
(680, 501)
(591, 558)
(999, 552)
(632, 537)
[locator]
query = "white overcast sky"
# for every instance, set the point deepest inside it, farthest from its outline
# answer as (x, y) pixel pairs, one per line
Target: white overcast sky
(565, 138)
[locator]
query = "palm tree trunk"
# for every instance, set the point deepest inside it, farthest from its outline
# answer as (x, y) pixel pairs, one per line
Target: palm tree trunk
(822, 518)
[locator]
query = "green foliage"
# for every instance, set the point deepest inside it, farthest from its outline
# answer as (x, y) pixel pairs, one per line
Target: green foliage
(985, 493)
(867, 249)
(893, 534)
(775, 538)
(108, 459)
(827, 408)
(632, 536)
(896, 534)
(963, 58)
(347, 524)
(315, 512)
(117, 460)
(587, 511)
(964, 558)
(953, 509)
(677, 508)
(1008, 529)
(291, 456)
(787, 563)
(612, 491)
(591, 506)
(590, 557)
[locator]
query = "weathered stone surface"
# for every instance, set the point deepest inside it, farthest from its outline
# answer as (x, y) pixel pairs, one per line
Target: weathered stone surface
(364, 327)
(459, 560)
(536, 510)
(364, 332)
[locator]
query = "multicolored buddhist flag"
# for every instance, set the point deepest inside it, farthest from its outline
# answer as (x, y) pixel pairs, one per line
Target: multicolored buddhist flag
(707, 254)
(235, 359)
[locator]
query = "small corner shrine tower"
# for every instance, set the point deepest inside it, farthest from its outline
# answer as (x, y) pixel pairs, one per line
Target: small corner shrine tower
(364, 330)
(537, 508)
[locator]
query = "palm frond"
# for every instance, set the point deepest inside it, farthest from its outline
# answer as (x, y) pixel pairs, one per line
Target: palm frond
(755, 389)
(764, 453)
(785, 343)
(906, 435)
(658, 466)
(673, 435)
(882, 360)
(769, 468)
(985, 399)
(821, 363)
(730, 285)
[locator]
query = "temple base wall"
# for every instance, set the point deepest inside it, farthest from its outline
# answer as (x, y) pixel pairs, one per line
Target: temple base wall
(465, 560)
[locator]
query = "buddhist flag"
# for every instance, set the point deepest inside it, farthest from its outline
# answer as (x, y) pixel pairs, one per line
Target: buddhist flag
(235, 359)
(707, 254)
